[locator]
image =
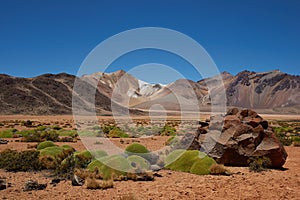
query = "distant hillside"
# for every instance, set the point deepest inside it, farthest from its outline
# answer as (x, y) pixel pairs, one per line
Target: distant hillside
(272, 91)
(47, 94)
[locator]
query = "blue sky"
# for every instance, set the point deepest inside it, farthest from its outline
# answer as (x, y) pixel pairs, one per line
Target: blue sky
(43, 36)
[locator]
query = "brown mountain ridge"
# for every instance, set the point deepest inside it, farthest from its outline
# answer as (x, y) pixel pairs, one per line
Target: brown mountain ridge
(273, 91)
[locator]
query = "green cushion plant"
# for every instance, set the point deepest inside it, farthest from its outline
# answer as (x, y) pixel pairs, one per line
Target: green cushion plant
(191, 161)
(45, 144)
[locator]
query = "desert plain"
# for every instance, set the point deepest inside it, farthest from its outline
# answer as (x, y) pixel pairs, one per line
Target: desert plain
(241, 184)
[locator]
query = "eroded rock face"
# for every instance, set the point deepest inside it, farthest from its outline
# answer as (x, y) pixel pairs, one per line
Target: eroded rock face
(244, 135)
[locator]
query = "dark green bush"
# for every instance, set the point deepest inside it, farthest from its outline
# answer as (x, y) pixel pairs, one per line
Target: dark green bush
(284, 139)
(50, 135)
(66, 167)
(117, 133)
(258, 164)
(12, 160)
(167, 131)
(107, 129)
(33, 137)
(82, 158)
(50, 157)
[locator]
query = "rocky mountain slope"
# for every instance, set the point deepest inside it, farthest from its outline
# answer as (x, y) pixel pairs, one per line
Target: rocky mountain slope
(272, 91)
(48, 94)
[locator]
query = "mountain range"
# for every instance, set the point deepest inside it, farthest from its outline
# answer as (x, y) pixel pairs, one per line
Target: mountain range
(269, 92)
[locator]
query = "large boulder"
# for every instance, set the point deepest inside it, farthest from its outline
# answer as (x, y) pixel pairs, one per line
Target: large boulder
(244, 135)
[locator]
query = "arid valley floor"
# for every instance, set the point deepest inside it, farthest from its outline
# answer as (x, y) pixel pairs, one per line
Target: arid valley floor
(242, 184)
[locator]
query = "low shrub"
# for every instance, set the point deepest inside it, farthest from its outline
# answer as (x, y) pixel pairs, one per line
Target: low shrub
(50, 135)
(9, 133)
(93, 183)
(67, 150)
(50, 157)
(70, 133)
(83, 158)
(45, 144)
(296, 144)
(40, 128)
(167, 131)
(218, 169)
(258, 164)
(296, 139)
(66, 168)
(117, 133)
(281, 135)
(25, 133)
(33, 137)
(107, 129)
(12, 160)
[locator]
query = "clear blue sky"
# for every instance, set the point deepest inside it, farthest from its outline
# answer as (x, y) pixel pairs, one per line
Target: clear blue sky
(43, 36)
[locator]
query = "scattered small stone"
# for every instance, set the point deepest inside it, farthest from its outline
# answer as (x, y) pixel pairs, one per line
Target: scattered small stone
(55, 181)
(155, 174)
(3, 184)
(155, 168)
(28, 123)
(33, 185)
(77, 181)
(3, 141)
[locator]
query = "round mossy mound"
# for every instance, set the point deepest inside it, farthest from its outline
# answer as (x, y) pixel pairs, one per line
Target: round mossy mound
(85, 154)
(50, 156)
(94, 164)
(192, 161)
(202, 166)
(67, 150)
(45, 144)
(173, 156)
(54, 151)
(135, 149)
(139, 150)
(139, 162)
(83, 158)
(98, 163)
(115, 166)
(184, 162)
(117, 133)
(99, 154)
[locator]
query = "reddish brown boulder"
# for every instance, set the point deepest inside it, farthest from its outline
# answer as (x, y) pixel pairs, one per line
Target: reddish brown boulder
(244, 135)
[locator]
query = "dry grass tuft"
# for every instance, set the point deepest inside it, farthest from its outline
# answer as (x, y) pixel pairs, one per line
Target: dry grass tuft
(218, 169)
(92, 183)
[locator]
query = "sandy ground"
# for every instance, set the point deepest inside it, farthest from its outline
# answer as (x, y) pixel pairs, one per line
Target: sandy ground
(273, 184)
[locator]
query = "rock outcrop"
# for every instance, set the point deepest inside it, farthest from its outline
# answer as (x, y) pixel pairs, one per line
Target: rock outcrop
(244, 135)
